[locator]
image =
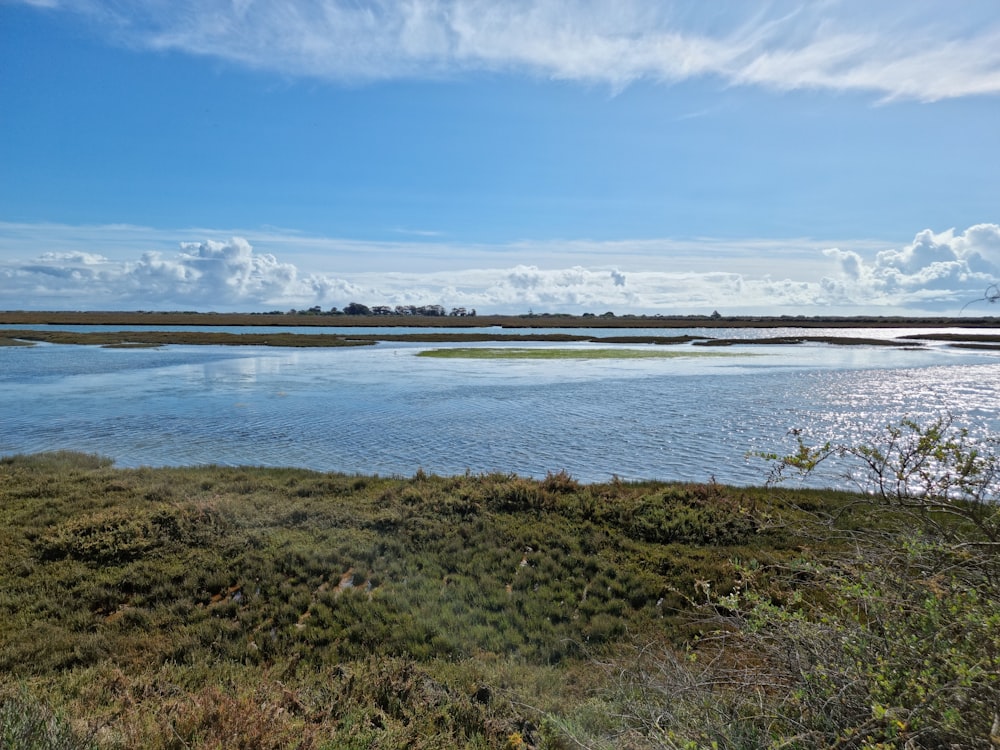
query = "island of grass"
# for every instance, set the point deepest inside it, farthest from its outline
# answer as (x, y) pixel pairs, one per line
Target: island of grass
(540, 353)
(212, 607)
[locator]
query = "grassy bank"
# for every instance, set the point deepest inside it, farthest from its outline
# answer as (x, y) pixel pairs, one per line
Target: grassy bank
(242, 607)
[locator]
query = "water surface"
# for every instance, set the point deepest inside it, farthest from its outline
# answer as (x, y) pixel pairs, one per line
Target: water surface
(384, 410)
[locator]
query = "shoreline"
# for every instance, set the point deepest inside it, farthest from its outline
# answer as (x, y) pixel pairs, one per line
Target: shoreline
(154, 339)
(479, 329)
(539, 320)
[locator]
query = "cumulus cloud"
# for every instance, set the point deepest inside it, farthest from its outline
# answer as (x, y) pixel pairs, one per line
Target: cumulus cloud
(232, 275)
(897, 52)
(214, 275)
(87, 259)
(935, 273)
(558, 289)
(945, 267)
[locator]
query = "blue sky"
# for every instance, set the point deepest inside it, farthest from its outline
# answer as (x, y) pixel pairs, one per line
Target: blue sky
(557, 155)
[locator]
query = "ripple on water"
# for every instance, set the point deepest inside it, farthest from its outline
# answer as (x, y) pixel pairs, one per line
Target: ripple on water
(385, 411)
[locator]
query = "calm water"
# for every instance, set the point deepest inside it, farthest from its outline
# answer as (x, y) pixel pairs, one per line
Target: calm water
(384, 410)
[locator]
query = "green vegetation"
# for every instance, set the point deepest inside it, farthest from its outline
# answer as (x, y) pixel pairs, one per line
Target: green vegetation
(887, 638)
(512, 353)
(217, 607)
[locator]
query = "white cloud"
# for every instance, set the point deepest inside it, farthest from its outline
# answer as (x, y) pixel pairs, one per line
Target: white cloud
(922, 51)
(945, 267)
(211, 275)
(87, 259)
(936, 273)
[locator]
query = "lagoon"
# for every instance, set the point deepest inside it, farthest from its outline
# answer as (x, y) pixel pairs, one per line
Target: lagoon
(383, 409)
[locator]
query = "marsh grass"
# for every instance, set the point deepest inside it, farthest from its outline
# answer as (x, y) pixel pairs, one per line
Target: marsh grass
(518, 353)
(152, 339)
(207, 606)
(793, 340)
(9, 341)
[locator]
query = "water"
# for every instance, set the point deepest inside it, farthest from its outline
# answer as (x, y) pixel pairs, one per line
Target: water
(384, 410)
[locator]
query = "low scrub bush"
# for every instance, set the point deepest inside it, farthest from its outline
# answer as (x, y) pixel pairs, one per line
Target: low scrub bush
(887, 635)
(181, 607)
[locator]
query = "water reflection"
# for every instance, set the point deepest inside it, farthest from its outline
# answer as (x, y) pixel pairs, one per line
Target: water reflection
(384, 410)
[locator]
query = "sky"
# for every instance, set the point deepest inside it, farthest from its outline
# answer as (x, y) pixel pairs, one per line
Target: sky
(641, 156)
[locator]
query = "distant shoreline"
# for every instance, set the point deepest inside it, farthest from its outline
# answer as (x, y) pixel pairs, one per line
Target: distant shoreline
(539, 320)
(479, 329)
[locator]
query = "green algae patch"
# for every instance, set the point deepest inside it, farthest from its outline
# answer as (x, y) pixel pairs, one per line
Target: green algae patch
(517, 353)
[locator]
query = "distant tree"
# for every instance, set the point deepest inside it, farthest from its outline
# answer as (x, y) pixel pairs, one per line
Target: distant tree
(715, 315)
(356, 308)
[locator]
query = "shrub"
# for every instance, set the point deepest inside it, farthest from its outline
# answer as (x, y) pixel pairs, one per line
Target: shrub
(893, 645)
(938, 474)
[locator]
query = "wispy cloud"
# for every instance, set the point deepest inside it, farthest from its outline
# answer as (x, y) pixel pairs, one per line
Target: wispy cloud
(895, 51)
(127, 267)
(418, 232)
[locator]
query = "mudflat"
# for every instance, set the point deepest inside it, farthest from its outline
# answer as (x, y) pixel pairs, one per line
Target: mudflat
(481, 329)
